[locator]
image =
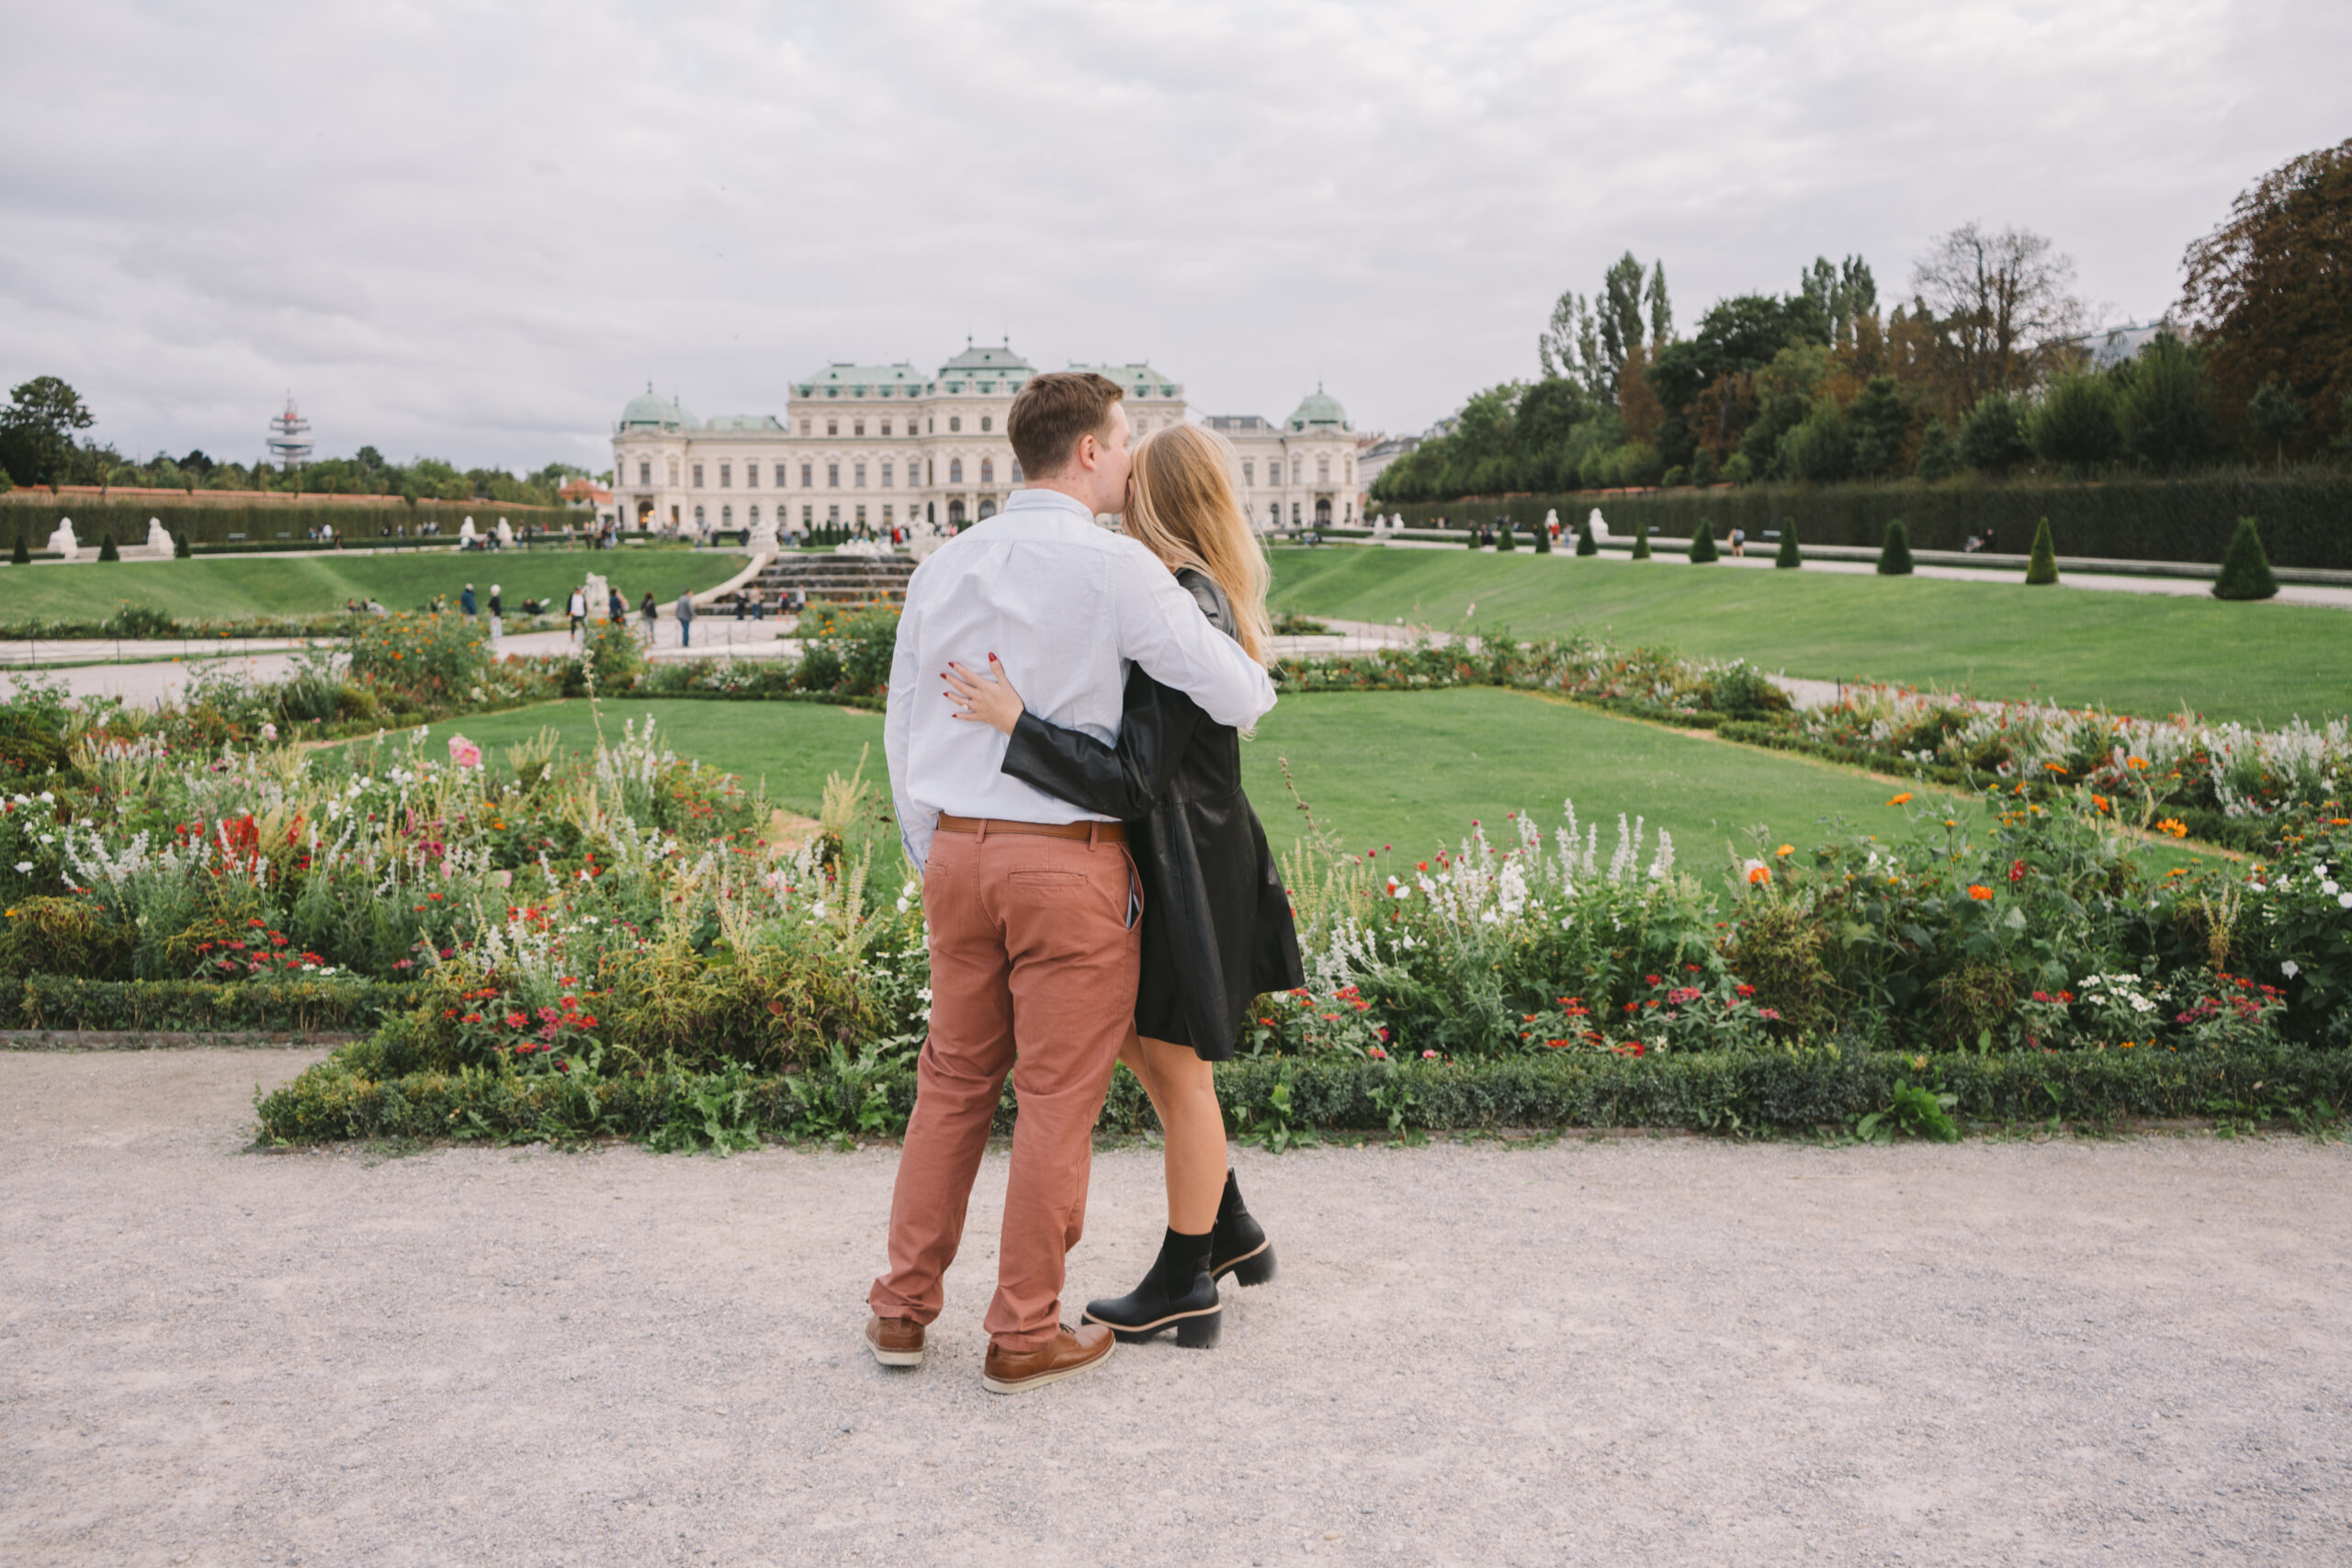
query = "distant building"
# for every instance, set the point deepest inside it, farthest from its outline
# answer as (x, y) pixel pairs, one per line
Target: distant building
(289, 438)
(2111, 346)
(587, 492)
(1378, 453)
(870, 447)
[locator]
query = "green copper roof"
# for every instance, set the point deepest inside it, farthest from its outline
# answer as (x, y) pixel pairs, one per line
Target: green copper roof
(1000, 360)
(1138, 380)
(1318, 410)
(647, 411)
(847, 380)
(743, 422)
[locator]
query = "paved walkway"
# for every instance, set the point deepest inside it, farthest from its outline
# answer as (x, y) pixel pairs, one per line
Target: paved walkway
(1625, 1352)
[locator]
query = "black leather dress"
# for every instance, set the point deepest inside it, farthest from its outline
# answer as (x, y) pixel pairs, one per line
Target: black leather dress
(1217, 921)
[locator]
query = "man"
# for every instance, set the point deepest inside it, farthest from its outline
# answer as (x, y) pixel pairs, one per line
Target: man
(1031, 903)
(579, 611)
(466, 601)
(497, 615)
(686, 613)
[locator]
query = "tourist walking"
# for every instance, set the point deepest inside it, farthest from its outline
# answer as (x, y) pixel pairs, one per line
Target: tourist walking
(497, 615)
(617, 607)
(579, 610)
(653, 614)
(686, 613)
(1032, 902)
(1217, 922)
(1739, 543)
(466, 601)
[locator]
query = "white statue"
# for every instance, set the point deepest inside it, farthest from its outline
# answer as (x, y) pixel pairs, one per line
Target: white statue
(159, 540)
(600, 596)
(759, 539)
(859, 547)
(1552, 523)
(63, 542)
(505, 535)
(466, 535)
(922, 539)
(1599, 529)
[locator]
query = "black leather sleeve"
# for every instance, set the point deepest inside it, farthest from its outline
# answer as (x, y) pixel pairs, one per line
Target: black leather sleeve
(1124, 781)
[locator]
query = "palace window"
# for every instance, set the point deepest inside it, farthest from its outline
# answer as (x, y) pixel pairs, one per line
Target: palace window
(832, 475)
(954, 470)
(803, 427)
(644, 471)
(674, 472)
(727, 476)
(1016, 470)
(808, 517)
(955, 423)
(861, 518)
(988, 470)
(1274, 514)
(987, 423)
(727, 517)
(698, 519)
(1322, 470)
(857, 475)
(886, 476)
(886, 427)
(755, 509)
(832, 427)
(931, 470)
(1249, 474)
(930, 425)
(857, 427)
(886, 515)
(697, 475)
(833, 517)
(988, 509)
(808, 475)
(1298, 470)
(1293, 514)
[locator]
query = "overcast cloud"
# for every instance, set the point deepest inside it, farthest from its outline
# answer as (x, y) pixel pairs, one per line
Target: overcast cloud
(474, 232)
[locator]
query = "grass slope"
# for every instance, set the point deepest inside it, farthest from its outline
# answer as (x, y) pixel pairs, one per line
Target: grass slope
(295, 585)
(1404, 767)
(2133, 653)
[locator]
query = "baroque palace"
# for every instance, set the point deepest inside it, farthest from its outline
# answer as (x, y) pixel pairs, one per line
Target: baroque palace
(870, 447)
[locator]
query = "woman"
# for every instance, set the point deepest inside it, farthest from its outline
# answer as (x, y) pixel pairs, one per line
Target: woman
(653, 614)
(1217, 922)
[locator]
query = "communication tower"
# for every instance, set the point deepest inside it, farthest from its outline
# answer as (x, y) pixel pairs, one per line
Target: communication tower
(289, 438)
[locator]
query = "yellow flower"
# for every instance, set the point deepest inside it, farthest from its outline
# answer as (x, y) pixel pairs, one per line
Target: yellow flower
(1785, 851)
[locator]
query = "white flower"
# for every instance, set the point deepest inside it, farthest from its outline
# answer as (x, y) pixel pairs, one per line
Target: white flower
(2290, 968)
(2344, 900)
(48, 798)
(24, 865)
(2328, 888)
(904, 906)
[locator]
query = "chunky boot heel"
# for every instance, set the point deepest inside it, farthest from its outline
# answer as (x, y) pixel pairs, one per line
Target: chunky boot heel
(1255, 1270)
(1200, 1333)
(1177, 1293)
(1239, 1246)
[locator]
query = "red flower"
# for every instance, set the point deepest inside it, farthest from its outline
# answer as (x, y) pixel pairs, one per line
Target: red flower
(516, 1020)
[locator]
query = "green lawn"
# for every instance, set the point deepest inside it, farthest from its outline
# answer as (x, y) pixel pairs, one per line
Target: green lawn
(1403, 768)
(2134, 652)
(296, 585)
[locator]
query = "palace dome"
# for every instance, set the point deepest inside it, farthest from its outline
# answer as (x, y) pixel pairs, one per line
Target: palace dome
(1318, 409)
(649, 411)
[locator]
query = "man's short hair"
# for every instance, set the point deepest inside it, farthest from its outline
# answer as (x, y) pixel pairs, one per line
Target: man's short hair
(1052, 412)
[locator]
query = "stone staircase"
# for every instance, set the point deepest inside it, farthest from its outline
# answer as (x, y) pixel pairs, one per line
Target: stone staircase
(840, 579)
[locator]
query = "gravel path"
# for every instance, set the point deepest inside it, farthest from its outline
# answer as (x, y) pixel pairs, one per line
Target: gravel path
(1623, 1352)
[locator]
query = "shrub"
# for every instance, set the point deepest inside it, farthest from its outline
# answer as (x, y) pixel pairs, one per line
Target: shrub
(105, 548)
(1641, 541)
(1543, 540)
(613, 652)
(140, 621)
(2245, 571)
(1504, 539)
(1993, 438)
(1470, 538)
(63, 936)
(2042, 569)
(1738, 470)
(1895, 556)
(1585, 544)
(2077, 425)
(19, 555)
(1789, 557)
(1702, 542)
(180, 548)
(1938, 452)
(1675, 478)
(438, 654)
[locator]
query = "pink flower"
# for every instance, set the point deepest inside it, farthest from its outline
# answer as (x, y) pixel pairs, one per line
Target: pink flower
(464, 753)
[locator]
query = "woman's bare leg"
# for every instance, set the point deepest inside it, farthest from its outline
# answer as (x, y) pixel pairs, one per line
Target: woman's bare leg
(1183, 1091)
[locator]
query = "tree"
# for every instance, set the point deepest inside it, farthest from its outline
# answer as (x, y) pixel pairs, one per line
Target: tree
(1878, 423)
(180, 550)
(2246, 570)
(19, 555)
(2167, 412)
(105, 548)
(37, 430)
(2003, 306)
(1641, 541)
(1895, 556)
(2078, 423)
(1636, 403)
(1993, 440)
(1789, 557)
(1661, 308)
(1585, 544)
(2041, 567)
(1570, 347)
(1620, 310)
(1817, 450)
(2271, 288)
(2275, 415)
(1702, 542)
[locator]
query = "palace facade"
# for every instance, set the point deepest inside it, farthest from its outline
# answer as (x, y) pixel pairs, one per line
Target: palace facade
(870, 447)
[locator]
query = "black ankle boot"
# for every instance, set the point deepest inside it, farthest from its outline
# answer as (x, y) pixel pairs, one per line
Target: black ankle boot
(1239, 1246)
(1177, 1293)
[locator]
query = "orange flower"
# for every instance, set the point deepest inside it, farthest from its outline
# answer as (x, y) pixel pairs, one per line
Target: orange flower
(1785, 851)
(2055, 767)
(1902, 799)
(1979, 892)
(2174, 826)
(2099, 801)
(1759, 873)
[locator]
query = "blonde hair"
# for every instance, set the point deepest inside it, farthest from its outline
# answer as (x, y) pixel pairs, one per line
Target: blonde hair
(1183, 510)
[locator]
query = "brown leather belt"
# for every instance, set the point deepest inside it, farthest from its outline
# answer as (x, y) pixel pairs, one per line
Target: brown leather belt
(1094, 832)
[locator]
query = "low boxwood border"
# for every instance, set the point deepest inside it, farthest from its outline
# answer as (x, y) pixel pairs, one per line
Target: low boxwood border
(64, 1002)
(1718, 1092)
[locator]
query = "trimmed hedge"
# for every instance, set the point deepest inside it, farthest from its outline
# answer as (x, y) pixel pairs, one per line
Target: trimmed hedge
(1720, 1092)
(2306, 515)
(261, 523)
(62, 1001)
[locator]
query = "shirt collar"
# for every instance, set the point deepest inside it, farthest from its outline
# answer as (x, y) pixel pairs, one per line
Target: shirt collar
(1041, 499)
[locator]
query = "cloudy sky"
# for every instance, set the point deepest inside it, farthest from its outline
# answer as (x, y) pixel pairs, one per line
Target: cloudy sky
(473, 231)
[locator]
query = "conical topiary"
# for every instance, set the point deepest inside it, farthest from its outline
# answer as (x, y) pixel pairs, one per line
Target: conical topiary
(1641, 541)
(1585, 544)
(21, 555)
(105, 548)
(1790, 557)
(1543, 539)
(2043, 568)
(1703, 540)
(1472, 536)
(1895, 556)
(2246, 570)
(179, 546)
(1503, 538)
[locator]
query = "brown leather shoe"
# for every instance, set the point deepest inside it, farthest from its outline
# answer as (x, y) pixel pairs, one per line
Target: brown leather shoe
(895, 1342)
(1071, 1352)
